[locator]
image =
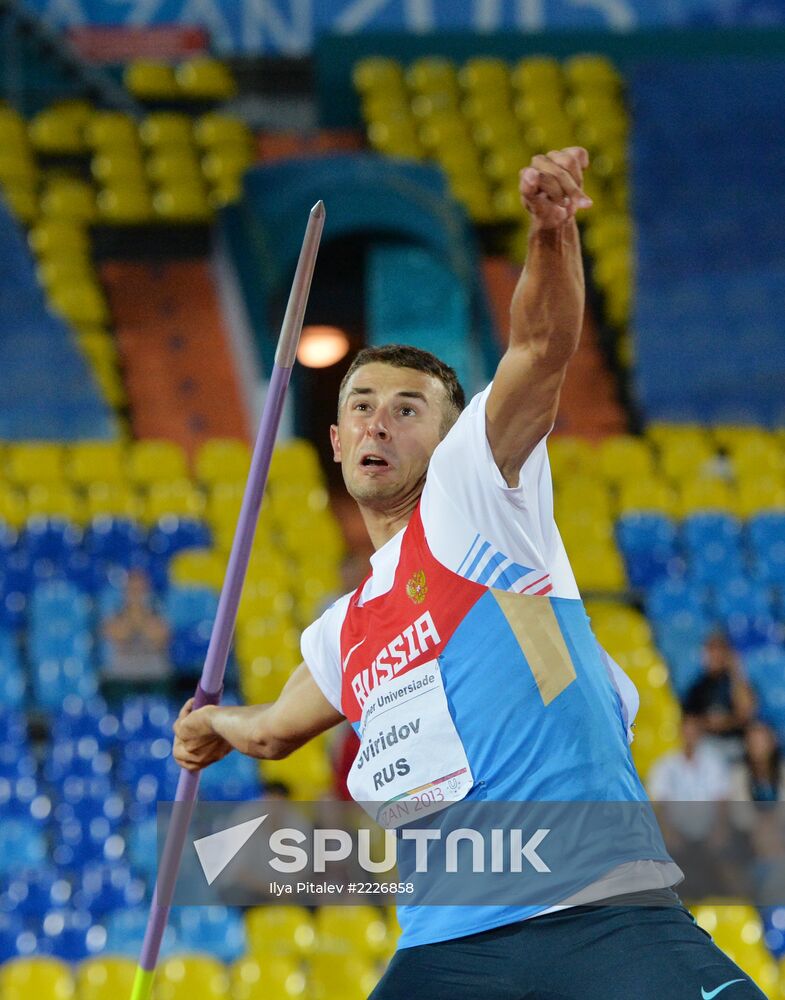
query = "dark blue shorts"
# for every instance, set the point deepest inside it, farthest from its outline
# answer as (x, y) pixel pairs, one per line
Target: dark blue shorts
(629, 952)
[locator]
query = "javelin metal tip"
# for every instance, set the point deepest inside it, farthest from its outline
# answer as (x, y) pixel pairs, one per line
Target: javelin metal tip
(318, 210)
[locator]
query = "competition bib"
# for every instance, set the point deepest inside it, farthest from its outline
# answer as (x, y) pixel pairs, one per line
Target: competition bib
(411, 761)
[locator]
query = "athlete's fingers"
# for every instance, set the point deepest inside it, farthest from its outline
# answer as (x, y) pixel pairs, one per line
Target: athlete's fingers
(571, 164)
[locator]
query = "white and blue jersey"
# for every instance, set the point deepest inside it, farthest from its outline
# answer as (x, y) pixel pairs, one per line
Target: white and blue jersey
(473, 611)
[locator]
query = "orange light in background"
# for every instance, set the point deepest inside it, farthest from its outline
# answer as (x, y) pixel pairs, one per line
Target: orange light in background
(322, 346)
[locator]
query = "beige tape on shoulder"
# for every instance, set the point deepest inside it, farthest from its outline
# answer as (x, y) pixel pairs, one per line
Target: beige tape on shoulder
(535, 626)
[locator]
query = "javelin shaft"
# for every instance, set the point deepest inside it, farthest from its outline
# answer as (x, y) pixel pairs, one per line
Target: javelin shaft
(210, 684)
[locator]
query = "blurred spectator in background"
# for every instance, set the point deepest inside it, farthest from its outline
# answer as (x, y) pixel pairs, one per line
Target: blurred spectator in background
(137, 643)
(721, 696)
(760, 775)
(694, 784)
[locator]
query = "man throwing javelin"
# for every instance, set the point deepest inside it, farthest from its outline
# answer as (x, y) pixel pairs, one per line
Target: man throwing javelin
(471, 600)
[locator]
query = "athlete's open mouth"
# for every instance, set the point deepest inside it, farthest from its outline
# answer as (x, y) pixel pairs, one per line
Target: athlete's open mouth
(374, 460)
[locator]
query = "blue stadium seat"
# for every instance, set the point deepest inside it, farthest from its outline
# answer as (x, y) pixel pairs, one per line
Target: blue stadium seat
(23, 798)
(188, 606)
(89, 717)
(51, 538)
(142, 840)
(117, 540)
(146, 718)
(73, 934)
(766, 533)
(11, 926)
(745, 610)
(54, 680)
(80, 758)
(16, 579)
(675, 596)
(173, 534)
(13, 725)
(217, 930)
(22, 844)
(16, 761)
(773, 919)
(235, 778)
(125, 933)
(77, 842)
(648, 544)
(32, 892)
(109, 887)
(12, 675)
(151, 758)
(59, 601)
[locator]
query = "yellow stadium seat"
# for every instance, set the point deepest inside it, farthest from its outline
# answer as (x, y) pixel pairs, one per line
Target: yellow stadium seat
(13, 129)
(64, 270)
(363, 928)
(125, 203)
(570, 455)
(17, 167)
(759, 494)
(662, 434)
(198, 567)
(686, 458)
(113, 499)
(395, 139)
(432, 74)
(176, 497)
(56, 132)
(226, 162)
(151, 80)
(163, 129)
(222, 459)
(758, 456)
(174, 165)
(152, 460)
(340, 974)
(377, 73)
(647, 494)
(706, 494)
(537, 74)
(625, 457)
(309, 775)
(184, 977)
(35, 462)
(118, 167)
(42, 978)
(282, 930)
(225, 191)
(22, 201)
(55, 500)
(202, 78)
(216, 130)
(270, 978)
(81, 302)
(599, 567)
(69, 199)
(111, 129)
(58, 236)
(182, 202)
(591, 72)
(485, 75)
(479, 107)
(13, 506)
(106, 978)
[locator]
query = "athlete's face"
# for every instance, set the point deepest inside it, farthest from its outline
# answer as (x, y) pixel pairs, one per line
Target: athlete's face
(389, 424)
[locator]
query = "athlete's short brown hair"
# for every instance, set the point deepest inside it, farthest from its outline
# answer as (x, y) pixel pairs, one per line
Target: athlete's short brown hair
(404, 356)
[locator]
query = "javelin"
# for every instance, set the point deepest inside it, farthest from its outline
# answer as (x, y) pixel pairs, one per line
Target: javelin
(210, 687)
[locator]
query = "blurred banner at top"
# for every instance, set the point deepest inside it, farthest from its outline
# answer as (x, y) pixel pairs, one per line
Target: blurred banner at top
(290, 27)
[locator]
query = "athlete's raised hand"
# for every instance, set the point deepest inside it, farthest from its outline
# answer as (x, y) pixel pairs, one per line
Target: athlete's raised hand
(552, 186)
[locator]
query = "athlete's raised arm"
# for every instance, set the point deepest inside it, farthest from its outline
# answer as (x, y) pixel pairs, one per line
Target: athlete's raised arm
(266, 731)
(546, 314)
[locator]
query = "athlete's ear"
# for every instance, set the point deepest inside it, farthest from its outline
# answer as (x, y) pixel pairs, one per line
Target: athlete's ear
(336, 442)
